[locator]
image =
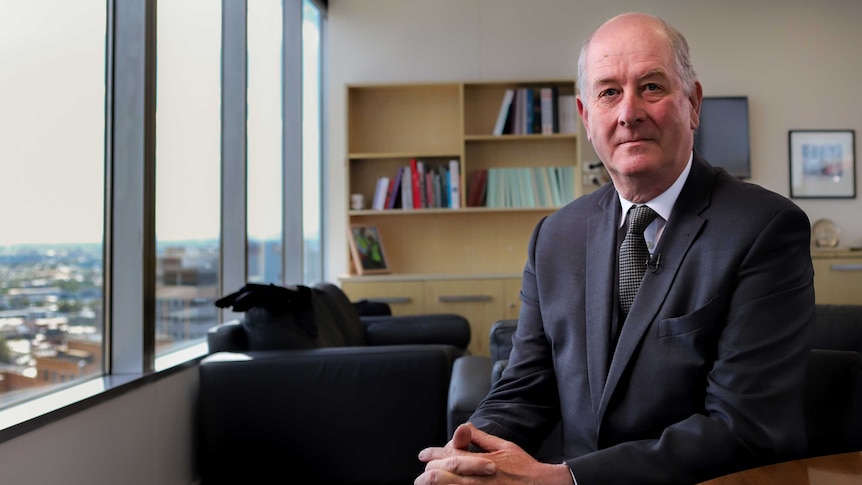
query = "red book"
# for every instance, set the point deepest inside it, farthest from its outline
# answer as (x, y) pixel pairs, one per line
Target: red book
(477, 188)
(416, 177)
(389, 193)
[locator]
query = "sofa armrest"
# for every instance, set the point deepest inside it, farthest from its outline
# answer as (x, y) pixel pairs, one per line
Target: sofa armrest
(227, 337)
(333, 415)
(470, 383)
(441, 328)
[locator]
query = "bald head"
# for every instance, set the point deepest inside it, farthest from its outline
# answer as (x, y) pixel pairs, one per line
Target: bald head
(632, 27)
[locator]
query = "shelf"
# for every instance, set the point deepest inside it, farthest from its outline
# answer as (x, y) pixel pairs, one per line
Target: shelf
(390, 125)
(462, 211)
(518, 138)
(402, 155)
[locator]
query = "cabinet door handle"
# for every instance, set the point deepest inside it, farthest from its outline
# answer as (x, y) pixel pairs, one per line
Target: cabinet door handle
(846, 267)
(463, 298)
(391, 299)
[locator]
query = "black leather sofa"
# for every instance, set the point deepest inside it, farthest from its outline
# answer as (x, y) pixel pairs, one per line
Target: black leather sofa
(318, 394)
(837, 327)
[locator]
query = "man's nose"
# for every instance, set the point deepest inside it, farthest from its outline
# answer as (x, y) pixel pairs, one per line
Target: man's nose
(631, 109)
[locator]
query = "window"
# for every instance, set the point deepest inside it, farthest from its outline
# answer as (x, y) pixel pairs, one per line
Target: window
(312, 158)
(264, 134)
(88, 144)
(52, 145)
(188, 94)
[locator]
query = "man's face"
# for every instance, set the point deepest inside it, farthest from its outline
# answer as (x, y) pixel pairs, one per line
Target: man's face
(634, 106)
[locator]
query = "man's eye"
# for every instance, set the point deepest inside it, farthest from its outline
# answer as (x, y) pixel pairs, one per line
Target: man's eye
(608, 92)
(651, 87)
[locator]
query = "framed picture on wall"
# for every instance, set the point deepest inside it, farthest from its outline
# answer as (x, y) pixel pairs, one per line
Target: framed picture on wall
(366, 247)
(822, 164)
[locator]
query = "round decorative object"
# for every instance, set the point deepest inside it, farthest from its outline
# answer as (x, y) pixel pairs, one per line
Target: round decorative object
(826, 233)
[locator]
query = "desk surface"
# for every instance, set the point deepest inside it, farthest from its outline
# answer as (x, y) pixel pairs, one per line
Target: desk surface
(840, 469)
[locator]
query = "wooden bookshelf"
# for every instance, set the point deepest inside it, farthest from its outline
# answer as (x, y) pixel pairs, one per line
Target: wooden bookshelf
(388, 125)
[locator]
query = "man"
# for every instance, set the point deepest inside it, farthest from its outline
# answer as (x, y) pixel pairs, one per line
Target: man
(704, 374)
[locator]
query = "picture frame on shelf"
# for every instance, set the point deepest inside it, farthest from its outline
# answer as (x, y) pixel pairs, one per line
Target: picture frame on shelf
(366, 248)
(822, 164)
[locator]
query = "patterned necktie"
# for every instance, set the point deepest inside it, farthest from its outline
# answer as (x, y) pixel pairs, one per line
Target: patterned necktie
(634, 256)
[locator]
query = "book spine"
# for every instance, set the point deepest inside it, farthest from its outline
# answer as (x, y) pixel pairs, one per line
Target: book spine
(438, 189)
(536, 124)
(443, 175)
(430, 200)
(415, 187)
(500, 125)
(547, 111)
(389, 193)
(407, 188)
(555, 107)
(454, 184)
(473, 189)
(380, 194)
(568, 111)
(396, 189)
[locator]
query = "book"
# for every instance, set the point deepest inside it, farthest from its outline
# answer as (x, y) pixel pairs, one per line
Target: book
(379, 201)
(518, 122)
(438, 189)
(554, 184)
(407, 188)
(528, 111)
(536, 124)
(567, 113)
(476, 188)
(491, 188)
(454, 184)
(500, 125)
(416, 184)
(392, 201)
(429, 189)
(443, 175)
(389, 191)
(547, 110)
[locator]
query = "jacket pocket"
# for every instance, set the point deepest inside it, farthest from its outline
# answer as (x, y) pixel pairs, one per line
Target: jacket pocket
(704, 316)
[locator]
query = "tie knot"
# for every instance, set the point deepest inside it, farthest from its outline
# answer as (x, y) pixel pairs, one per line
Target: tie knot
(640, 216)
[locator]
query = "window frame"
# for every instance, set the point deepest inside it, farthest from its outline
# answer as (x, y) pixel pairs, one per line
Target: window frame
(129, 246)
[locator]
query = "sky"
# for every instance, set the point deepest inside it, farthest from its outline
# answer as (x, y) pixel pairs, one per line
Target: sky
(51, 120)
(52, 94)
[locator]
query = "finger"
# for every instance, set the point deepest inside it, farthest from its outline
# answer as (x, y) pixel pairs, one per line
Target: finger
(462, 436)
(464, 465)
(487, 441)
(433, 453)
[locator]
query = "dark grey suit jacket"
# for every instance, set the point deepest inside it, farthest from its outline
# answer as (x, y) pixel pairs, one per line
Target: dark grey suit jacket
(707, 377)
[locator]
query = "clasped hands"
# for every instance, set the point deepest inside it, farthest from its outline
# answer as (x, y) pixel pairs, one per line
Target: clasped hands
(502, 462)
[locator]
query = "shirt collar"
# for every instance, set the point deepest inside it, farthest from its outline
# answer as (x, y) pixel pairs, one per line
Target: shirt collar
(663, 204)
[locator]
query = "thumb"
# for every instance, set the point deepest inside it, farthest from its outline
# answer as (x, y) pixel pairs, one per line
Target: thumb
(485, 441)
(462, 437)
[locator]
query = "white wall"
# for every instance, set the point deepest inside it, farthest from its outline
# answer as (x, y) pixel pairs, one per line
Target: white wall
(797, 61)
(143, 437)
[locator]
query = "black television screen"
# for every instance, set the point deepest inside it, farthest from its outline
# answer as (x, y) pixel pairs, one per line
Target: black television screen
(722, 137)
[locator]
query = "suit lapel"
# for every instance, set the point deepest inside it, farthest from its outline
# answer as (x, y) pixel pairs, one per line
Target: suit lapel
(681, 231)
(600, 302)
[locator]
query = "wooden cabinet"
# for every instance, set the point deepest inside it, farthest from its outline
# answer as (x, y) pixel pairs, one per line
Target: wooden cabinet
(837, 276)
(481, 300)
(468, 259)
(403, 297)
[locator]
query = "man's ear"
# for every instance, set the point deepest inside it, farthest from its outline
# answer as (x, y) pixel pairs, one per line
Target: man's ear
(584, 114)
(696, 98)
